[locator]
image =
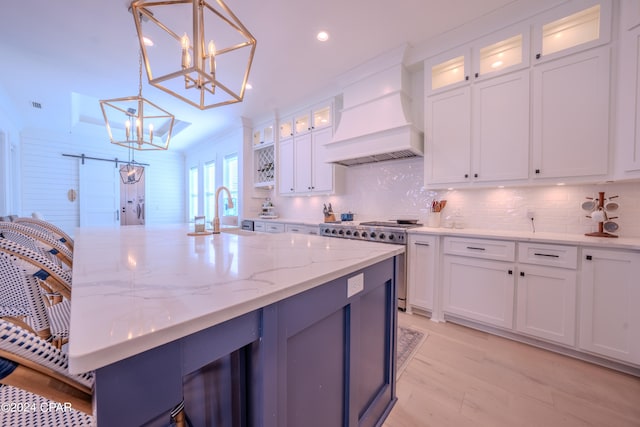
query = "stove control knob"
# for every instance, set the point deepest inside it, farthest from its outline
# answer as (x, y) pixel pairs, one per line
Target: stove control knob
(341, 232)
(333, 231)
(327, 231)
(391, 237)
(364, 234)
(381, 236)
(348, 233)
(356, 234)
(373, 235)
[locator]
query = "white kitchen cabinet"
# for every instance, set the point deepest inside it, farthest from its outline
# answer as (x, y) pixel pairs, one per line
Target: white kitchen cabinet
(479, 289)
(316, 118)
(264, 134)
(268, 227)
(546, 303)
(448, 137)
(312, 173)
(492, 147)
(448, 70)
(422, 256)
(628, 117)
(476, 286)
(546, 292)
(609, 304)
(571, 28)
(301, 229)
(286, 166)
(500, 128)
(571, 116)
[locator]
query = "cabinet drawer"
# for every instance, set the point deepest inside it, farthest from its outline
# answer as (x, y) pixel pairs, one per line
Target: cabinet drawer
(295, 228)
(542, 254)
(480, 248)
(274, 228)
(259, 226)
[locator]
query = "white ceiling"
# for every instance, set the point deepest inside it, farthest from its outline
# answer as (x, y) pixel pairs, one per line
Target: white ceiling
(54, 52)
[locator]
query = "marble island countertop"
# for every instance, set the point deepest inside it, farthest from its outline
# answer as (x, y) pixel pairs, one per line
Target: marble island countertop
(137, 287)
(632, 243)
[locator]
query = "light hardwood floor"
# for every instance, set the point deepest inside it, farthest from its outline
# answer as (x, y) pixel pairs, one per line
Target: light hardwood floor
(464, 377)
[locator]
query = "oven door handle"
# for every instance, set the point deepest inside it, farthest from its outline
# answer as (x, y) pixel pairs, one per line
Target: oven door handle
(422, 244)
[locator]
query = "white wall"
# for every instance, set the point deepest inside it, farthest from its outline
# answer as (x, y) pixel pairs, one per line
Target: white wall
(391, 190)
(47, 176)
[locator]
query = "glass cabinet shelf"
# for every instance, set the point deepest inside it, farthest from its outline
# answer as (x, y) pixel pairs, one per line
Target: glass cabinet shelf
(448, 72)
(573, 30)
(501, 55)
(322, 117)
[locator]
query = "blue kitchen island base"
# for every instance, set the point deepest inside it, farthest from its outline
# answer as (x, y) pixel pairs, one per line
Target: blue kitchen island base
(324, 357)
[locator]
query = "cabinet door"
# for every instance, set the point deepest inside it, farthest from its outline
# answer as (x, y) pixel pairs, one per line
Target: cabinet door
(609, 304)
(302, 170)
(628, 117)
(322, 172)
(448, 144)
(479, 290)
(286, 167)
(447, 71)
(501, 128)
(421, 272)
(546, 303)
(571, 115)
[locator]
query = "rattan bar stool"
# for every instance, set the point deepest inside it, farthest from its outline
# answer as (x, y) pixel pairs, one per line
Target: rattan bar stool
(57, 231)
(43, 239)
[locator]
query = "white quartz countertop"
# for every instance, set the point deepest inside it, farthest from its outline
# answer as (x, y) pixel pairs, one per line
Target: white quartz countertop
(138, 287)
(632, 243)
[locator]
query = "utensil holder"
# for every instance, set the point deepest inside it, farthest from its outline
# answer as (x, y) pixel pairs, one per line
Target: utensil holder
(434, 219)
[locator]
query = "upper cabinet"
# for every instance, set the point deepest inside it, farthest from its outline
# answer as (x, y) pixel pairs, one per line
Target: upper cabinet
(572, 28)
(301, 152)
(498, 112)
(499, 53)
(264, 155)
(316, 118)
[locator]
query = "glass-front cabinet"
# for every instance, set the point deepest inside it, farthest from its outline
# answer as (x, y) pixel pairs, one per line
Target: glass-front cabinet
(315, 118)
(264, 134)
(286, 127)
(499, 53)
(568, 29)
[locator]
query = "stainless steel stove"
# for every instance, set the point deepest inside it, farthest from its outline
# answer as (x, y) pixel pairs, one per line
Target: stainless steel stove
(381, 232)
(377, 231)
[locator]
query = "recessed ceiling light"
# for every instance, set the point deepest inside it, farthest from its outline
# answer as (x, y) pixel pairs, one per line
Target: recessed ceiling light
(322, 36)
(248, 86)
(147, 41)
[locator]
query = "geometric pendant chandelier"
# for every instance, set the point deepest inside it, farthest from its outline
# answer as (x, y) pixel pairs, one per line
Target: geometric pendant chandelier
(195, 50)
(137, 123)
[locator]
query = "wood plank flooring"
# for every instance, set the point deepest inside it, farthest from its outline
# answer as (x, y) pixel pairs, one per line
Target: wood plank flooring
(463, 377)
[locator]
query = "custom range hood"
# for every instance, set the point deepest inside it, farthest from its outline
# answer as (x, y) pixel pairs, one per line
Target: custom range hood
(375, 123)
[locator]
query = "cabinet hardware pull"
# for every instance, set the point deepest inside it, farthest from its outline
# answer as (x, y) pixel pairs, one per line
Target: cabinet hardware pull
(477, 75)
(475, 175)
(466, 77)
(549, 255)
(538, 56)
(522, 274)
(476, 248)
(422, 244)
(589, 257)
(510, 271)
(466, 175)
(538, 171)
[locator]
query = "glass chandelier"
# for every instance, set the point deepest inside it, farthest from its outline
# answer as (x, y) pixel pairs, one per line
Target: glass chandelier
(195, 50)
(137, 123)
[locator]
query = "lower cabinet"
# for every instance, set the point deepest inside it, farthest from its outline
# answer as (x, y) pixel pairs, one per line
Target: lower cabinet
(422, 271)
(546, 292)
(546, 303)
(610, 304)
(479, 289)
(301, 229)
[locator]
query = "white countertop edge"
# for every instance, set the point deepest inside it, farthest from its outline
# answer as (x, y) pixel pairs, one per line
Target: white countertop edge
(632, 243)
(117, 352)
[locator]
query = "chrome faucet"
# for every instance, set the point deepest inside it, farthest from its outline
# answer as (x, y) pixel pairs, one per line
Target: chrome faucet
(216, 219)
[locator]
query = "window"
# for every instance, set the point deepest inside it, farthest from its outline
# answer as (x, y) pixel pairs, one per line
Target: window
(209, 190)
(230, 179)
(193, 192)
